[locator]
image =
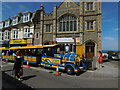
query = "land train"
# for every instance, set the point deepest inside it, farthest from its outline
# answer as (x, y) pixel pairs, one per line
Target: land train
(48, 56)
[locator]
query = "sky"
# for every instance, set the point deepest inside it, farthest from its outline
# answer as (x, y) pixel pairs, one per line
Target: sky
(109, 18)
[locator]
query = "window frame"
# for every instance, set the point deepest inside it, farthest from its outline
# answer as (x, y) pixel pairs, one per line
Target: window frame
(48, 28)
(93, 7)
(90, 25)
(26, 17)
(27, 32)
(15, 21)
(1, 24)
(37, 35)
(1, 36)
(66, 23)
(7, 23)
(15, 33)
(6, 35)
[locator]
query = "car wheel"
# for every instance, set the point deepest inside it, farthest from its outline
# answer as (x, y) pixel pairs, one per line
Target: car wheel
(69, 70)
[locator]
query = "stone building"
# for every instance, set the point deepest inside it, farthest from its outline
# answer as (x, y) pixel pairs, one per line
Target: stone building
(71, 20)
(68, 24)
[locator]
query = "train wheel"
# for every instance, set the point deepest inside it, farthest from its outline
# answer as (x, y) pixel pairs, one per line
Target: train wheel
(69, 70)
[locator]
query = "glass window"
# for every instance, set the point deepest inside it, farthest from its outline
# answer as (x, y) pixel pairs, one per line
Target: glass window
(7, 23)
(90, 25)
(15, 21)
(67, 4)
(37, 35)
(63, 26)
(71, 25)
(15, 34)
(48, 28)
(60, 26)
(6, 35)
(1, 36)
(1, 25)
(68, 23)
(75, 26)
(90, 6)
(26, 17)
(67, 26)
(26, 32)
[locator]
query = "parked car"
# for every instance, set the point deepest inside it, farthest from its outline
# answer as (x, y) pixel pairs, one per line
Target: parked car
(105, 56)
(113, 57)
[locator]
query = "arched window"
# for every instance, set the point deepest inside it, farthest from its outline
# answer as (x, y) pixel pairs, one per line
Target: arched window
(67, 23)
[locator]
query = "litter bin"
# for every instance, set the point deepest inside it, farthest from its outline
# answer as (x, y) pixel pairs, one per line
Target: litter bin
(91, 64)
(94, 63)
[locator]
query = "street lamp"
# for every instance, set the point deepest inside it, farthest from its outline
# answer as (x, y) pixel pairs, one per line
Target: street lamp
(74, 38)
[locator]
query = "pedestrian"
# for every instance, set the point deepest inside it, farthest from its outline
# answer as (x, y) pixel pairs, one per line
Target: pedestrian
(100, 59)
(18, 64)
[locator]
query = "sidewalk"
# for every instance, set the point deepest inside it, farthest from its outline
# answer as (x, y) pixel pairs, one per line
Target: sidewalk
(107, 72)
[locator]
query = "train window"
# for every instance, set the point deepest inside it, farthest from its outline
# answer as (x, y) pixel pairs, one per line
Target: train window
(39, 51)
(34, 52)
(30, 51)
(26, 52)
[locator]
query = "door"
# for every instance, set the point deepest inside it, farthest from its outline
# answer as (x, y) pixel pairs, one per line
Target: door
(89, 49)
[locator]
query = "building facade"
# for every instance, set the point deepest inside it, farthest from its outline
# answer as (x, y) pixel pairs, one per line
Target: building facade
(69, 23)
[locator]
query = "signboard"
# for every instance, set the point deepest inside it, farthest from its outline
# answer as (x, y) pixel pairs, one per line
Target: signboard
(68, 40)
(5, 42)
(77, 39)
(64, 39)
(18, 41)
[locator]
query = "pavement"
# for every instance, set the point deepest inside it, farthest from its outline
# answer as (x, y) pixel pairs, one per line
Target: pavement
(38, 77)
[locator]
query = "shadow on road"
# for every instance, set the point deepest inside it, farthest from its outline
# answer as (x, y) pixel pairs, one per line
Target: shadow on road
(8, 82)
(104, 61)
(80, 73)
(27, 77)
(8, 70)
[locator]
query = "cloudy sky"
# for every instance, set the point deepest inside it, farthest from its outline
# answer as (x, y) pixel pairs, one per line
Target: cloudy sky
(109, 18)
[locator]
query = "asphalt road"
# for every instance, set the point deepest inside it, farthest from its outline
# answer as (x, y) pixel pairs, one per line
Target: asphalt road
(37, 77)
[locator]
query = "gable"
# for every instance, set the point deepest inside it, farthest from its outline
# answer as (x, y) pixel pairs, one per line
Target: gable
(67, 4)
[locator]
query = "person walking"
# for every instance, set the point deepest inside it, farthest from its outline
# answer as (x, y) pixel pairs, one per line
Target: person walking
(100, 59)
(18, 64)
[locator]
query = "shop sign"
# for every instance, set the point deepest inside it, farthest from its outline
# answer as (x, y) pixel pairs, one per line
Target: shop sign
(18, 41)
(64, 39)
(77, 39)
(68, 39)
(5, 42)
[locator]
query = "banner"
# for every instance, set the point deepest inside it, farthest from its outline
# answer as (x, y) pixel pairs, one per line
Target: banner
(18, 41)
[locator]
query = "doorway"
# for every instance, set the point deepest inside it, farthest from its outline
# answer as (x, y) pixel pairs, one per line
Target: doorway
(89, 49)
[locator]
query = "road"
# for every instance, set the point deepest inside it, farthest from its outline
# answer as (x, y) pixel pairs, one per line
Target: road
(37, 77)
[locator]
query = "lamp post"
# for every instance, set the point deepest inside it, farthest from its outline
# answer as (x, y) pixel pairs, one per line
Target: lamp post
(74, 38)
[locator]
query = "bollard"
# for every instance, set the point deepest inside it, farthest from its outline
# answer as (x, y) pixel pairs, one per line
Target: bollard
(27, 66)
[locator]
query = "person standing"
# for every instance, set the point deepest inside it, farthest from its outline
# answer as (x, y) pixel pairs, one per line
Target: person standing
(18, 64)
(100, 59)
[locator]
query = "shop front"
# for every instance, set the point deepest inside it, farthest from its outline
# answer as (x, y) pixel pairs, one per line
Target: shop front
(4, 44)
(68, 44)
(18, 43)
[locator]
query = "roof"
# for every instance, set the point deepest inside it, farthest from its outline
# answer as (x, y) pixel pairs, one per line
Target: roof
(4, 48)
(50, 45)
(26, 47)
(31, 47)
